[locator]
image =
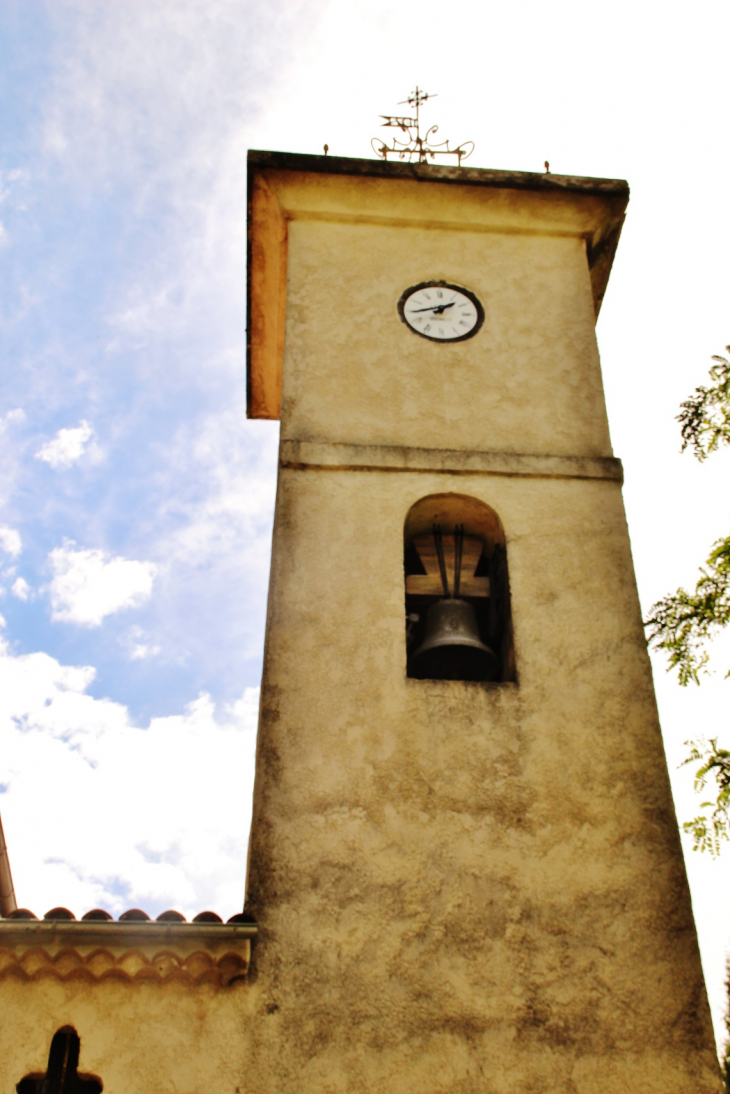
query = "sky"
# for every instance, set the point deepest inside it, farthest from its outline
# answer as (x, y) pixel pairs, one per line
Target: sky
(136, 500)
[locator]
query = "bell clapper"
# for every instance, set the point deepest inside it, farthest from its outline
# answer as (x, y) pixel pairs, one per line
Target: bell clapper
(439, 542)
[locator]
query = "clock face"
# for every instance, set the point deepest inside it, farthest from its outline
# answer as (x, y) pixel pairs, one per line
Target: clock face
(441, 312)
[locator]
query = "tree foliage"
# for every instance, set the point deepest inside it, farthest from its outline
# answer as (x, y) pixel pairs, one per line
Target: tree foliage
(708, 831)
(704, 418)
(683, 623)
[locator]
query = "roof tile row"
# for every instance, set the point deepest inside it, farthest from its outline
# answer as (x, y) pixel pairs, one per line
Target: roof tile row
(132, 915)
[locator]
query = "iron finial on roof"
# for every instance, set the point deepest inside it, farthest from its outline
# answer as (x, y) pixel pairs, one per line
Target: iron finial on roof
(416, 147)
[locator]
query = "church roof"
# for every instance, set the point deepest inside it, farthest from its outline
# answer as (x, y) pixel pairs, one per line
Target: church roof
(132, 915)
(437, 172)
(132, 949)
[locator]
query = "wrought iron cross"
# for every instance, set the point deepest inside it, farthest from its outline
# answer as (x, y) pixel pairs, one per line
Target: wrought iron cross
(62, 1076)
(416, 147)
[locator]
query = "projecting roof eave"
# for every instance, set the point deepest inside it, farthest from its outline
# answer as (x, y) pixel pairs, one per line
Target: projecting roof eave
(436, 172)
(264, 237)
(135, 952)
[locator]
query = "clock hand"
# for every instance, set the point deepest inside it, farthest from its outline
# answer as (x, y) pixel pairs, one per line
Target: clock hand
(437, 309)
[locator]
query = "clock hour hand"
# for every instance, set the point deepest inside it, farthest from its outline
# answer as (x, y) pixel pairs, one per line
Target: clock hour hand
(437, 309)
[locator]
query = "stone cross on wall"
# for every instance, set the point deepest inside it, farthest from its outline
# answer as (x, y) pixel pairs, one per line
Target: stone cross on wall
(62, 1076)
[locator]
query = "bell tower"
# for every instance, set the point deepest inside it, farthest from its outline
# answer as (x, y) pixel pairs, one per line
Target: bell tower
(464, 861)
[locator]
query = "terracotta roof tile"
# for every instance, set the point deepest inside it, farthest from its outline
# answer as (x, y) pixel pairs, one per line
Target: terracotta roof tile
(132, 915)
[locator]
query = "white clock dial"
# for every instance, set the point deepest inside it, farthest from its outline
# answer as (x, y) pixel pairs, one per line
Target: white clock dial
(440, 311)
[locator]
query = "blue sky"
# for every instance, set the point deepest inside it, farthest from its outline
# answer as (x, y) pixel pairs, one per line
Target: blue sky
(120, 329)
(136, 500)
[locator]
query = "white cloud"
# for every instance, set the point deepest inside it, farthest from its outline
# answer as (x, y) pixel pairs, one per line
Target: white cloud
(67, 446)
(146, 816)
(15, 175)
(140, 652)
(21, 589)
(90, 584)
(137, 645)
(10, 541)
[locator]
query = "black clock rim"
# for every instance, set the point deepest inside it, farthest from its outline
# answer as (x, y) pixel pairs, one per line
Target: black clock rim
(441, 285)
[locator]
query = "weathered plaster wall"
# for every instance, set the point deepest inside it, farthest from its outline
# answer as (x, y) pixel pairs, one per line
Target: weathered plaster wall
(157, 1006)
(464, 887)
(136, 1038)
(354, 373)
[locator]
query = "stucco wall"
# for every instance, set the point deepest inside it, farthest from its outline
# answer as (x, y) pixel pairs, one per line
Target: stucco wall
(466, 887)
(157, 1005)
(136, 1038)
(354, 373)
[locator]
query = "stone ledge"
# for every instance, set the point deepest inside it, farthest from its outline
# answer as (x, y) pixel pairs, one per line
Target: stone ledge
(188, 953)
(319, 455)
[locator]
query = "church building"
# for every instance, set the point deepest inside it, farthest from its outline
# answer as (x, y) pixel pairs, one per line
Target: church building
(465, 873)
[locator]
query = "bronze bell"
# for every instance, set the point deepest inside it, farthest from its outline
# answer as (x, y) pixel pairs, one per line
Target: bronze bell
(452, 648)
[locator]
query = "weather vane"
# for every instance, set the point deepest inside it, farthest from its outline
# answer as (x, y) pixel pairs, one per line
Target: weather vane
(416, 147)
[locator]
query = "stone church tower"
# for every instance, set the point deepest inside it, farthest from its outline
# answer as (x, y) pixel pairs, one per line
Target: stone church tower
(465, 875)
(470, 884)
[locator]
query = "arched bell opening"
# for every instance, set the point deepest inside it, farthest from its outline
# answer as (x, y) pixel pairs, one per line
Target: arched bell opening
(458, 620)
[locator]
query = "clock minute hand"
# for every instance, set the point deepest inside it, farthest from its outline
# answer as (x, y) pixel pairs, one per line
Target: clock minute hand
(437, 309)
